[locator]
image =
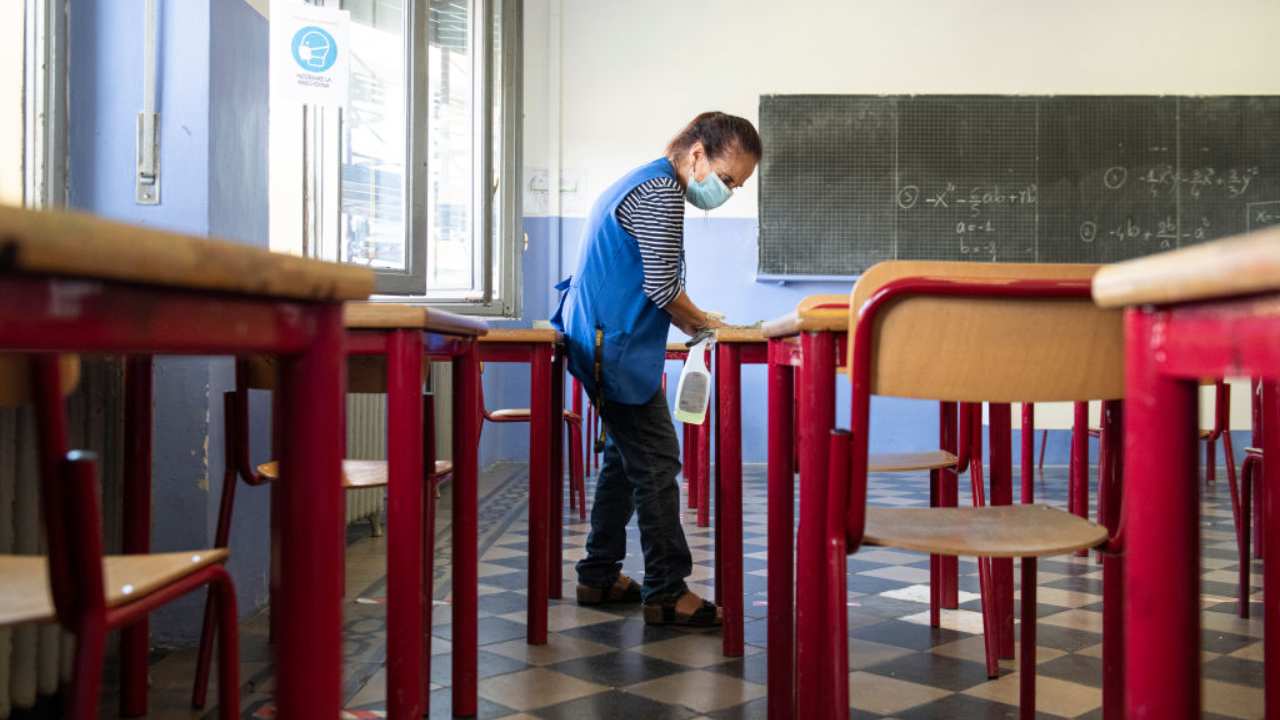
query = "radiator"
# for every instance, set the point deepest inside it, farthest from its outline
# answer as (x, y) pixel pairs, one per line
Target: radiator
(36, 659)
(367, 439)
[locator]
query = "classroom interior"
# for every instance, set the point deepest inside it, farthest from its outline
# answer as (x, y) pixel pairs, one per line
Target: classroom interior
(286, 430)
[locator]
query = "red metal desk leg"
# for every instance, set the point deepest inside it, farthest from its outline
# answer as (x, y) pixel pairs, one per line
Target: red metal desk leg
(135, 639)
(1270, 501)
(702, 465)
(729, 419)
(428, 533)
(404, 524)
(1110, 487)
(1028, 437)
(1001, 467)
(781, 675)
(690, 475)
(312, 538)
(709, 426)
(1079, 501)
(556, 505)
(1078, 481)
(466, 441)
(1161, 524)
(949, 496)
(539, 491)
(817, 378)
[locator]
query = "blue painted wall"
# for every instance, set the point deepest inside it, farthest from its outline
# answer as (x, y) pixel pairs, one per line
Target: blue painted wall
(212, 105)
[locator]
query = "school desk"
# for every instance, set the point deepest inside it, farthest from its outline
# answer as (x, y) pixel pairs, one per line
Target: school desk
(408, 336)
(1209, 310)
(542, 349)
(76, 283)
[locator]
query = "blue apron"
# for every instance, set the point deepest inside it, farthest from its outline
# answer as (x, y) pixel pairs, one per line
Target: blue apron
(607, 294)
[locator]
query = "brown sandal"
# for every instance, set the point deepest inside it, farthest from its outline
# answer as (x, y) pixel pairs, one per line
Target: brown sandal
(665, 613)
(624, 591)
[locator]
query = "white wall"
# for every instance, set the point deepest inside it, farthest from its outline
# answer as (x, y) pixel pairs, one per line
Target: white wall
(632, 73)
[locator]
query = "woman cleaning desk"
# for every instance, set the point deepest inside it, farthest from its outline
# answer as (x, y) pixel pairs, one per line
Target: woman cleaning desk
(615, 313)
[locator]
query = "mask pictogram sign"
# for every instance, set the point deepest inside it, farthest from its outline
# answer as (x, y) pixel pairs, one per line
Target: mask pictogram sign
(310, 53)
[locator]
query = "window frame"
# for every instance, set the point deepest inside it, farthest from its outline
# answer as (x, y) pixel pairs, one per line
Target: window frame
(45, 84)
(499, 246)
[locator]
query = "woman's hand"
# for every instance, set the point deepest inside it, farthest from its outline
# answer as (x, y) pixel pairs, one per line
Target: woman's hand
(710, 321)
(689, 317)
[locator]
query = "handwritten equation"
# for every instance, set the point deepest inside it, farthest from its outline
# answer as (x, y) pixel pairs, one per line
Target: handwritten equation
(1167, 180)
(1165, 232)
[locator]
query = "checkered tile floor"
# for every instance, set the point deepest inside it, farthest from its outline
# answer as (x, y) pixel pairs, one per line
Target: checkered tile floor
(608, 664)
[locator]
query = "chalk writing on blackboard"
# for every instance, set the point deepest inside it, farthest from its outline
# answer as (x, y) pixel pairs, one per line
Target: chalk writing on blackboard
(1262, 214)
(1164, 232)
(1166, 179)
(850, 180)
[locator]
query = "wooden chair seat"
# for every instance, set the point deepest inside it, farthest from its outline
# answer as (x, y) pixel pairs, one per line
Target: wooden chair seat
(906, 462)
(522, 415)
(24, 580)
(357, 474)
(992, 531)
(1253, 451)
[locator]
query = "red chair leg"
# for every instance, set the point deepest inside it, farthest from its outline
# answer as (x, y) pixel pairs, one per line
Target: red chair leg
(577, 484)
(228, 646)
(1027, 660)
(222, 537)
(1245, 532)
(1044, 442)
(87, 679)
(1210, 460)
(573, 488)
(1258, 521)
(935, 561)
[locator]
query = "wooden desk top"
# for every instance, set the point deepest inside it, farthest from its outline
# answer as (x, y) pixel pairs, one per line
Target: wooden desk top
(521, 335)
(1240, 265)
(739, 335)
(386, 316)
(677, 346)
(82, 245)
(816, 313)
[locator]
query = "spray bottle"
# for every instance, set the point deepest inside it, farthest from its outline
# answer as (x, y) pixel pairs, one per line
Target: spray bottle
(694, 391)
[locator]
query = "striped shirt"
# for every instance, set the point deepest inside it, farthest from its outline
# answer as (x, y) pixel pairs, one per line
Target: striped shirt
(653, 213)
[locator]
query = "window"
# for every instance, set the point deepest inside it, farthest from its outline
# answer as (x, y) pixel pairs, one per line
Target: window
(32, 103)
(423, 150)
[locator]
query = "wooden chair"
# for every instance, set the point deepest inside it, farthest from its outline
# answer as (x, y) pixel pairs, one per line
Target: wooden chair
(365, 374)
(1248, 518)
(87, 593)
(573, 424)
(969, 333)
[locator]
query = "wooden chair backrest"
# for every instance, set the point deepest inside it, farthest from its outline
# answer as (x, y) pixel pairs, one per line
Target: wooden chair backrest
(365, 373)
(16, 372)
(991, 349)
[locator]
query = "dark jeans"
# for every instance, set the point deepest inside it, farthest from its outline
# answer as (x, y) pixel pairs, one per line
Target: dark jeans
(641, 460)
